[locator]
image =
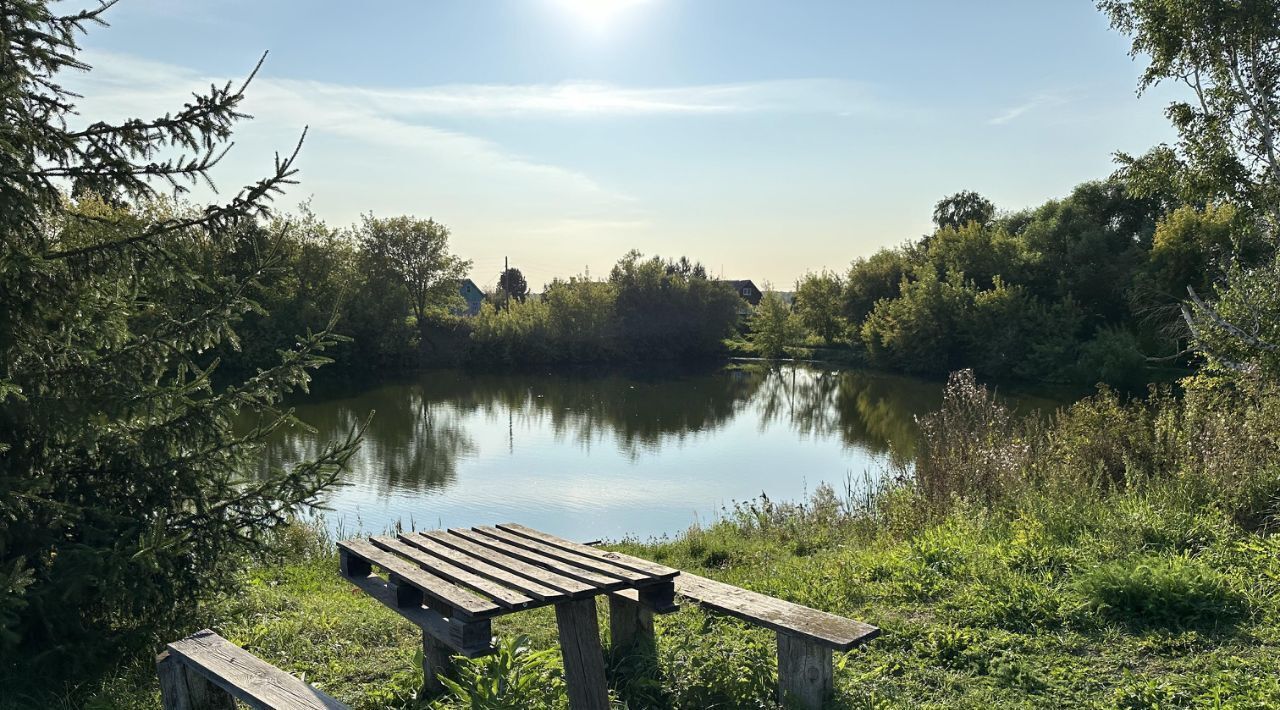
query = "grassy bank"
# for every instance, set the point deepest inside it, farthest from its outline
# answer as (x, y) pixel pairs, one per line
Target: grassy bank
(1120, 557)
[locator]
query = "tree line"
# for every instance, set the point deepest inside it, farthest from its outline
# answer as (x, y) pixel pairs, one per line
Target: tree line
(1087, 288)
(388, 287)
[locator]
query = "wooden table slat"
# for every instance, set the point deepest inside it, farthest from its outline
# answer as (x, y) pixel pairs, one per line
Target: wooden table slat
(541, 592)
(505, 597)
(462, 601)
(511, 564)
(634, 563)
(559, 553)
(596, 579)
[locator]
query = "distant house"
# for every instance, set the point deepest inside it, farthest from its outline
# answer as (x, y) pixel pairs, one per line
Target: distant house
(473, 296)
(747, 290)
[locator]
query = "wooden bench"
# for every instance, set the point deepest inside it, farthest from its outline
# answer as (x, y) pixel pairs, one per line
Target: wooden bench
(206, 672)
(807, 637)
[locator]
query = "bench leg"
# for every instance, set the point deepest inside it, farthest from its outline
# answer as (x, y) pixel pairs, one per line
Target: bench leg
(630, 625)
(583, 658)
(804, 672)
(436, 661)
(183, 689)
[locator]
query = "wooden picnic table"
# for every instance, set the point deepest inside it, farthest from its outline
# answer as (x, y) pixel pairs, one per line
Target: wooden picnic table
(452, 583)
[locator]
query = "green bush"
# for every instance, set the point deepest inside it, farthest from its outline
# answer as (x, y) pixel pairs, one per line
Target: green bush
(1166, 591)
(649, 309)
(516, 677)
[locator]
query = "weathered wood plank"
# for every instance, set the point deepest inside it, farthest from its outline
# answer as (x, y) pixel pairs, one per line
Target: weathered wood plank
(436, 661)
(503, 596)
(833, 631)
(541, 592)
(804, 672)
(584, 677)
(352, 565)
(630, 624)
(599, 565)
(182, 688)
(659, 597)
(459, 600)
(596, 579)
(470, 638)
(247, 677)
(634, 563)
(511, 564)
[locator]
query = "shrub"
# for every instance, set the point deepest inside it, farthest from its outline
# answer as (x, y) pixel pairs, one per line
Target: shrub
(1172, 592)
(714, 662)
(514, 678)
(972, 446)
(1112, 356)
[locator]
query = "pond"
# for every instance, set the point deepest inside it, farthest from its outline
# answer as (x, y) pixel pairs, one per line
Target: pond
(609, 455)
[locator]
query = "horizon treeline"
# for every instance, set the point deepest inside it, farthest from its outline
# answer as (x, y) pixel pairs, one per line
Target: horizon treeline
(1084, 289)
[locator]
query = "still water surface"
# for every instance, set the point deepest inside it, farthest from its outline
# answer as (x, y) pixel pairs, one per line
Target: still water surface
(590, 456)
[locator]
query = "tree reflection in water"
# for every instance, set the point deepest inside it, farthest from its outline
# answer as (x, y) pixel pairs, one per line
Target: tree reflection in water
(421, 429)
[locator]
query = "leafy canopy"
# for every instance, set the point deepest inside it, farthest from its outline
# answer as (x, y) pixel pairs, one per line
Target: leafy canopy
(1228, 55)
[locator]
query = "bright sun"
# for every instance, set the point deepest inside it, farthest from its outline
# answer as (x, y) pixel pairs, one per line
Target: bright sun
(597, 15)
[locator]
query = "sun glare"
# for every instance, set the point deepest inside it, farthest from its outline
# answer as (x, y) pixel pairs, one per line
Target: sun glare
(597, 15)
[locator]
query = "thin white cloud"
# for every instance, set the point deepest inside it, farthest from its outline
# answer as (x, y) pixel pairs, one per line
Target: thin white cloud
(586, 99)
(343, 117)
(570, 98)
(399, 121)
(1038, 101)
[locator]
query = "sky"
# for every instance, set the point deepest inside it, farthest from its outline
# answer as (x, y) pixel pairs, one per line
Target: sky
(766, 139)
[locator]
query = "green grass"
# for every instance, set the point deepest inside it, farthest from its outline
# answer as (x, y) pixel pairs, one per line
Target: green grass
(1017, 608)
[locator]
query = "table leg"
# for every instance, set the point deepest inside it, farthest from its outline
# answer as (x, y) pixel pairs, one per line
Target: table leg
(630, 625)
(436, 661)
(583, 656)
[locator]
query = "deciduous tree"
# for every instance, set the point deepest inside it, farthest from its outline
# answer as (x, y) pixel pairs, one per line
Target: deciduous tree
(818, 303)
(1228, 150)
(513, 285)
(958, 210)
(774, 328)
(415, 252)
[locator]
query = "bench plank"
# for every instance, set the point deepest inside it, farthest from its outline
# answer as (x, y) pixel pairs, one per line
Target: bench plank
(559, 553)
(500, 594)
(456, 598)
(596, 579)
(247, 677)
(652, 569)
(538, 591)
(829, 630)
(511, 564)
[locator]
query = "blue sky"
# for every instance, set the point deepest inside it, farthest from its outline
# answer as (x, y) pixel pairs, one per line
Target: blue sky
(766, 139)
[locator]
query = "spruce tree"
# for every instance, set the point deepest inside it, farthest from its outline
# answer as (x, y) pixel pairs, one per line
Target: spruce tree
(129, 474)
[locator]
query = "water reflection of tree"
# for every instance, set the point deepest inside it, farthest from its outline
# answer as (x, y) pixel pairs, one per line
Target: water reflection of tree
(412, 444)
(871, 411)
(637, 412)
(419, 433)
